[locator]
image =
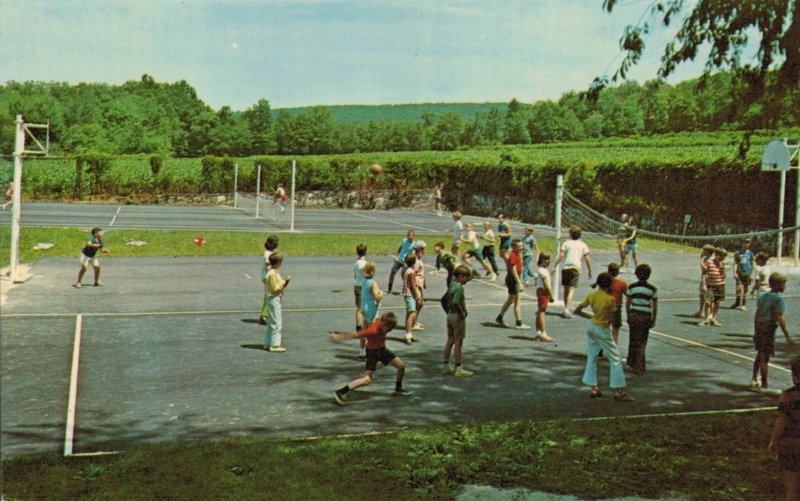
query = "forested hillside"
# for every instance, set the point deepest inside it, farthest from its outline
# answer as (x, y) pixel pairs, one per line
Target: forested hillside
(170, 119)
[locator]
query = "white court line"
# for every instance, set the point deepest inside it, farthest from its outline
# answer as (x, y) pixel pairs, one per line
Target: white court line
(119, 208)
(73, 388)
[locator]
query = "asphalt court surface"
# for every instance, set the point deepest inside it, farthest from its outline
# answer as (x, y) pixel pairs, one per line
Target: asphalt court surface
(191, 217)
(170, 350)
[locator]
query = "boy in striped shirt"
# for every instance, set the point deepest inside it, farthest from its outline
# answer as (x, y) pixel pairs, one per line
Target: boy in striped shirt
(715, 282)
(641, 308)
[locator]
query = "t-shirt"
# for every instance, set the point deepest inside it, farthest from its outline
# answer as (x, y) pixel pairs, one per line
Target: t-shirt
(715, 273)
(419, 272)
(514, 261)
(473, 239)
(744, 260)
(618, 288)
(603, 306)
(275, 283)
(375, 338)
(542, 277)
(447, 260)
(90, 251)
(770, 305)
(406, 246)
(369, 305)
(762, 276)
(457, 301)
(458, 229)
(265, 264)
(574, 250)
(528, 244)
(488, 236)
(358, 271)
(643, 294)
(408, 275)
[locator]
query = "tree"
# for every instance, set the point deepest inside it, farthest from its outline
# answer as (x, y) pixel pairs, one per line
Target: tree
(725, 25)
(259, 121)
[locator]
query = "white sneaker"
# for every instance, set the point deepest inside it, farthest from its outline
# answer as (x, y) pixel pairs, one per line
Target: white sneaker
(755, 384)
(493, 277)
(447, 370)
(462, 372)
(522, 327)
(77, 285)
(567, 314)
(417, 327)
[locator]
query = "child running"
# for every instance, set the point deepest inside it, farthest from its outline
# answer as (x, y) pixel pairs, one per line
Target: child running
(715, 282)
(422, 283)
(743, 260)
(411, 296)
(270, 245)
(276, 284)
(785, 438)
(89, 254)
(456, 307)
(514, 286)
(359, 278)
(488, 247)
(769, 315)
(474, 250)
(444, 260)
(705, 255)
(598, 336)
(641, 307)
(375, 334)
(544, 294)
(406, 246)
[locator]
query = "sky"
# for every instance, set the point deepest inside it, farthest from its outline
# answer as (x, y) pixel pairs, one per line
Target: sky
(328, 52)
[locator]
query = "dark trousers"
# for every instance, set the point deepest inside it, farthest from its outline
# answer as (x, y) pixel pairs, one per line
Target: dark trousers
(488, 255)
(639, 331)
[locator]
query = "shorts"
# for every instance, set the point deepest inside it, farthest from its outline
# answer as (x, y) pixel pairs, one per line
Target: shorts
(511, 284)
(542, 299)
(411, 303)
(85, 260)
(764, 340)
(744, 280)
(620, 242)
(456, 326)
(477, 253)
(382, 355)
(357, 293)
(505, 243)
(716, 293)
(616, 320)
(631, 247)
(456, 243)
(396, 266)
(569, 276)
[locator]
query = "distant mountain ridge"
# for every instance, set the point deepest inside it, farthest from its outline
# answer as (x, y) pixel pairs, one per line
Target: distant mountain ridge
(365, 113)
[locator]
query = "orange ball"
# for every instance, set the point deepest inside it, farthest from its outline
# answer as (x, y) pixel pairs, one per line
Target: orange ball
(375, 169)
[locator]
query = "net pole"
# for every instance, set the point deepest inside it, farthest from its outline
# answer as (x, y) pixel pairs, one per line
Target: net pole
(236, 185)
(559, 203)
(291, 200)
(780, 216)
(258, 189)
(19, 147)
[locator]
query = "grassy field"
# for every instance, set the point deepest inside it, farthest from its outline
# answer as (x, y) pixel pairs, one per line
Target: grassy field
(707, 457)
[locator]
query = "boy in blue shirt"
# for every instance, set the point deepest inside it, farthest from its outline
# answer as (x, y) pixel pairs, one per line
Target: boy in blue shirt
(769, 315)
(406, 246)
(89, 255)
(743, 272)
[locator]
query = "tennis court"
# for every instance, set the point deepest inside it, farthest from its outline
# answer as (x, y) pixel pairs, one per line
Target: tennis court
(170, 349)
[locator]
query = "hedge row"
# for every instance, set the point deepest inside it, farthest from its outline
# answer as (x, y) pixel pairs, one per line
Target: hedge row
(662, 184)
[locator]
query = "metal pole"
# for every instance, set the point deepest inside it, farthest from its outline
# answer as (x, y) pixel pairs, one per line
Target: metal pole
(796, 202)
(559, 203)
(236, 185)
(19, 147)
(780, 216)
(258, 190)
(294, 177)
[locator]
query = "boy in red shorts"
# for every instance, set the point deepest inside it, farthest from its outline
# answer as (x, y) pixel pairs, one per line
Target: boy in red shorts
(375, 334)
(544, 294)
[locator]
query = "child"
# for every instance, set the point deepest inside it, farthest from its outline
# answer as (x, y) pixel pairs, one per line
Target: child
(406, 246)
(9, 194)
(641, 308)
(369, 302)
(530, 249)
(411, 296)
(572, 252)
(456, 322)
(769, 315)
(705, 255)
(743, 273)
(89, 253)
(422, 284)
(359, 278)
(631, 245)
(514, 286)
(275, 284)
(761, 274)
(458, 229)
(715, 282)
(618, 289)
(488, 247)
(437, 199)
(280, 197)
(599, 337)
(544, 295)
(785, 438)
(475, 250)
(504, 234)
(270, 245)
(445, 260)
(375, 334)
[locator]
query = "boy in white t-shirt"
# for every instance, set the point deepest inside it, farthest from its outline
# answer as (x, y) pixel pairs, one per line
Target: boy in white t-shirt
(573, 251)
(474, 250)
(761, 273)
